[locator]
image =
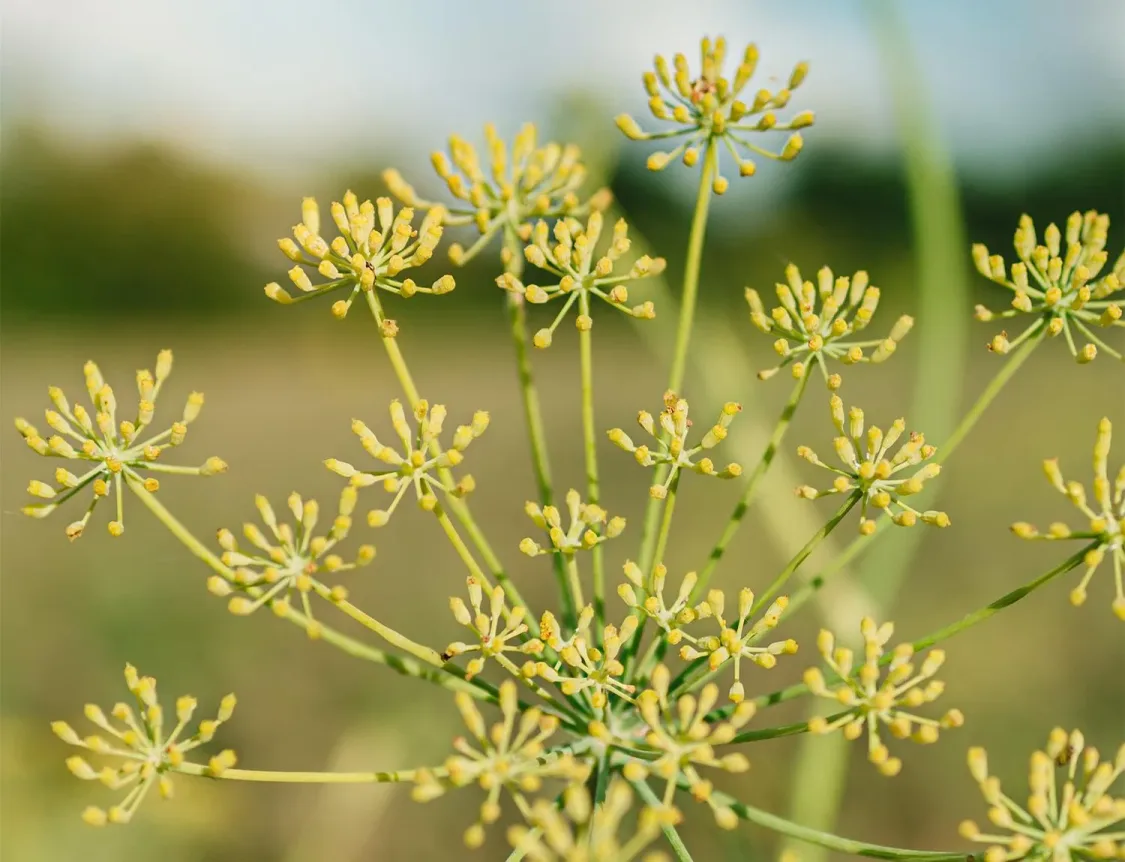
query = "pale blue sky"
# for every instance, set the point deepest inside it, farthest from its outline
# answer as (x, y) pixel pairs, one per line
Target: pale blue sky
(288, 86)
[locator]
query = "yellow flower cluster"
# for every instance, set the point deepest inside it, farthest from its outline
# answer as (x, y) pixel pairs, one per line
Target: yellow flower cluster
(706, 110)
(871, 698)
(1105, 514)
(418, 463)
(497, 630)
(117, 452)
(682, 740)
(815, 323)
(1062, 289)
(524, 182)
(671, 446)
(509, 755)
(870, 470)
(289, 558)
(586, 520)
(737, 638)
(1068, 819)
(581, 273)
(582, 832)
(375, 244)
(145, 747)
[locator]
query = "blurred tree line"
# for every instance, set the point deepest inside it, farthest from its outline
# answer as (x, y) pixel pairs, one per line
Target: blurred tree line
(143, 230)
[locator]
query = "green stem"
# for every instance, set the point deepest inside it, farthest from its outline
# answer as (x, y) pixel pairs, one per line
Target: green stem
(825, 839)
(466, 557)
(394, 638)
(590, 449)
(674, 840)
(1007, 372)
(443, 677)
(299, 777)
(574, 581)
(777, 732)
(942, 634)
(763, 466)
(683, 329)
(1004, 601)
(521, 851)
(601, 778)
(692, 268)
(533, 414)
(631, 649)
(665, 525)
(804, 553)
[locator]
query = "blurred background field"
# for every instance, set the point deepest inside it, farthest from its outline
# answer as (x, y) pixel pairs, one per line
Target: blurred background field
(150, 158)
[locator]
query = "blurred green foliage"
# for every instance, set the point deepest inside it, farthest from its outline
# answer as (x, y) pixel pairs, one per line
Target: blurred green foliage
(141, 230)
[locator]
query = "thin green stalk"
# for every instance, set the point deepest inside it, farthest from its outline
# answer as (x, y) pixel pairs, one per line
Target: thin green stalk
(1006, 600)
(601, 778)
(763, 466)
(826, 839)
(394, 638)
(670, 833)
(590, 450)
(692, 268)
(444, 676)
(533, 414)
(521, 851)
(630, 651)
(665, 524)
(574, 581)
(1006, 373)
(299, 777)
(655, 652)
(466, 557)
(804, 553)
(779, 731)
(966, 622)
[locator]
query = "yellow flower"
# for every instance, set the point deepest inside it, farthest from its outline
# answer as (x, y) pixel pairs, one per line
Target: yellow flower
(1059, 288)
(375, 244)
(497, 631)
(580, 273)
(1068, 819)
(117, 452)
(671, 446)
(588, 667)
(683, 740)
(289, 558)
(417, 464)
(586, 520)
(870, 470)
(736, 639)
(146, 748)
(815, 324)
(510, 755)
(869, 701)
(647, 595)
(524, 183)
(581, 832)
(1105, 514)
(706, 110)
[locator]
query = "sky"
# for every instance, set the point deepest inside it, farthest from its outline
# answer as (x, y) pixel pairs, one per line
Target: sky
(287, 87)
